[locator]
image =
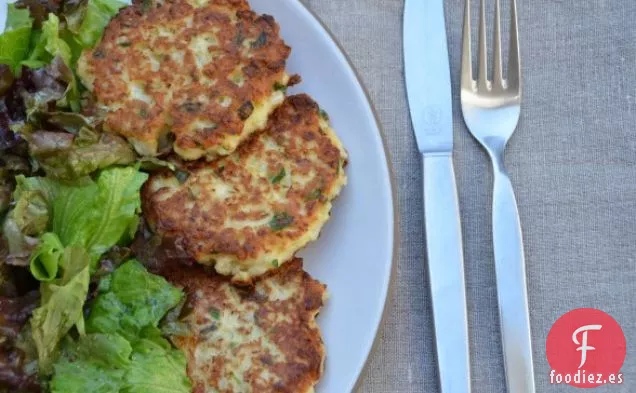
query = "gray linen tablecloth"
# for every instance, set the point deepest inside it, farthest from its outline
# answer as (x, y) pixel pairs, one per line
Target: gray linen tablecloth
(573, 164)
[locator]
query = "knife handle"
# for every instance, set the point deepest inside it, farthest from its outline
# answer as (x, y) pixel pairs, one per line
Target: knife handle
(446, 272)
(510, 268)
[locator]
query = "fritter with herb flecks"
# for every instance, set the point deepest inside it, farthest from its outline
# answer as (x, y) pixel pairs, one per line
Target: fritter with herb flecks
(198, 75)
(250, 212)
(259, 340)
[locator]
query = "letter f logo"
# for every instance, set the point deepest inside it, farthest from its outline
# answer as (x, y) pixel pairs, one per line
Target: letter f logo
(583, 346)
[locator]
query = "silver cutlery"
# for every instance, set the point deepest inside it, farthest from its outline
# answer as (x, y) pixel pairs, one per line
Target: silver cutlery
(429, 93)
(491, 110)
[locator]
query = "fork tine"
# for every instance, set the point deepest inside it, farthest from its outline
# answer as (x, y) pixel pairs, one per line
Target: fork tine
(497, 78)
(467, 56)
(514, 64)
(482, 82)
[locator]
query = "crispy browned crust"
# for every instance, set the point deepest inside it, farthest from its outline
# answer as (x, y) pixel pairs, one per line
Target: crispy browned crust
(139, 46)
(295, 141)
(289, 326)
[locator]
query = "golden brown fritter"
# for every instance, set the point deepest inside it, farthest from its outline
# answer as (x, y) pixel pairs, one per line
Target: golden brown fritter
(206, 73)
(259, 340)
(251, 211)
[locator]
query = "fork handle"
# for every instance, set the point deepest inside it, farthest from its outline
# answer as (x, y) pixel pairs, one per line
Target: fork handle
(510, 269)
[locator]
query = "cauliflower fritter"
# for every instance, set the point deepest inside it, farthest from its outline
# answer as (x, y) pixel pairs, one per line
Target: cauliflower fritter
(259, 340)
(197, 75)
(250, 212)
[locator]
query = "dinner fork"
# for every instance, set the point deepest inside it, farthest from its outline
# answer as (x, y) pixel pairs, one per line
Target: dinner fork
(491, 110)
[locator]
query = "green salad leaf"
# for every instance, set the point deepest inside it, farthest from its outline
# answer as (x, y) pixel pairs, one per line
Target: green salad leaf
(17, 18)
(131, 299)
(49, 45)
(61, 305)
(70, 122)
(74, 148)
(153, 353)
(48, 85)
(30, 211)
(125, 356)
(14, 42)
(106, 363)
(88, 21)
(45, 262)
(65, 156)
(98, 215)
(28, 219)
(82, 376)
(96, 364)
(105, 350)
(91, 214)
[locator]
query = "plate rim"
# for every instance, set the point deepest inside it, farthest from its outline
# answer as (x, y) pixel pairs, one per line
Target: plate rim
(390, 280)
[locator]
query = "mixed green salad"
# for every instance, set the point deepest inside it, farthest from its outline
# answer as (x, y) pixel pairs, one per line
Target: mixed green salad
(77, 312)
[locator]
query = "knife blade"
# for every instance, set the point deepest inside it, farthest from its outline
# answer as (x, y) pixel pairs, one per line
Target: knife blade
(428, 84)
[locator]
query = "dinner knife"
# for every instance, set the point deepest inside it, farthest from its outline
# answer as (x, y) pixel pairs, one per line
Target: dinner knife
(428, 86)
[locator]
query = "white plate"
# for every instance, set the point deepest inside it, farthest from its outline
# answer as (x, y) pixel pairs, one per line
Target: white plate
(355, 251)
